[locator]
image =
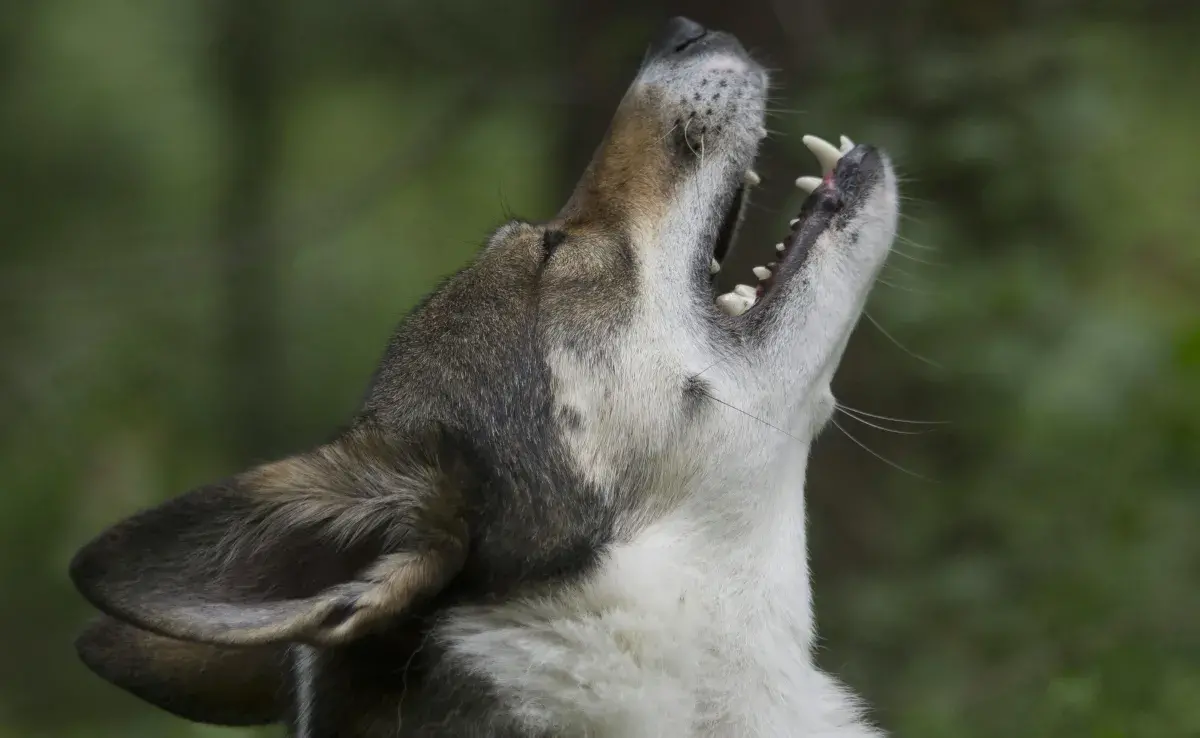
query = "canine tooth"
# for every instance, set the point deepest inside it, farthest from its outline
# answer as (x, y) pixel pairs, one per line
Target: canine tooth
(762, 273)
(780, 247)
(808, 184)
(826, 153)
(751, 178)
(745, 290)
(792, 223)
(733, 304)
(714, 267)
(846, 143)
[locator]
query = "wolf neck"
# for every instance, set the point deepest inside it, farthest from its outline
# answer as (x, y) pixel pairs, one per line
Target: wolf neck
(737, 542)
(756, 498)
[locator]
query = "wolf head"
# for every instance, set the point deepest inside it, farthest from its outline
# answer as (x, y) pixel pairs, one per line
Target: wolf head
(576, 382)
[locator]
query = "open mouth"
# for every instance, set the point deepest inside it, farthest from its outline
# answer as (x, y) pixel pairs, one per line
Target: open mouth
(847, 171)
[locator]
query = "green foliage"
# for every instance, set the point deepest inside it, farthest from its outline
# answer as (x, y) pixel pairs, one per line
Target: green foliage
(1046, 584)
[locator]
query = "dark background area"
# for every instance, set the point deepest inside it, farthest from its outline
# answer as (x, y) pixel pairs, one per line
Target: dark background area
(212, 213)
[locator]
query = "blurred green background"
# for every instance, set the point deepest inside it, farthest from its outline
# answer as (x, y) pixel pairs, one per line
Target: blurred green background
(213, 213)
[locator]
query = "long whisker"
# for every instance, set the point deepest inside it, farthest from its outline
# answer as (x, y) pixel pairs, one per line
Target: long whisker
(901, 346)
(849, 409)
(898, 270)
(918, 260)
(884, 459)
(881, 427)
(751, 416)
(914, 244)
(901, 287)
(710, 366)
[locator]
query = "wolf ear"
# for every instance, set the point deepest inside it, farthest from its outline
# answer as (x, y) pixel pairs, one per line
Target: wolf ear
(198, 682)
(318, 548)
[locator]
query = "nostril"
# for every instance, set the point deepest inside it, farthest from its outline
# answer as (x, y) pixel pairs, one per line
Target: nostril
(677, 36)
(682, 45)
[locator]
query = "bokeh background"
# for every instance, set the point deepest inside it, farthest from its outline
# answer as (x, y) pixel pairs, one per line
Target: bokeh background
(212, 213)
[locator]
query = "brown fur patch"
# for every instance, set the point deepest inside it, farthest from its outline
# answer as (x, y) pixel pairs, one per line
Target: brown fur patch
(627, 185)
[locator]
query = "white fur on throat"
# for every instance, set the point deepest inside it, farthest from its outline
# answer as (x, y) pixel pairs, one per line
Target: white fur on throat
(685, 631)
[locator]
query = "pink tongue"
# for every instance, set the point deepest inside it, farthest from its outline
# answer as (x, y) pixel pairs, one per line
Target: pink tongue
(828, 179)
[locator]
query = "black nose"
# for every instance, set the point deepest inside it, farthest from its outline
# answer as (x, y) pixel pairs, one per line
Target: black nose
(677, 36)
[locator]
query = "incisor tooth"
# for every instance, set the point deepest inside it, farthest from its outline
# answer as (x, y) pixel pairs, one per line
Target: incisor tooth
(762, 273)
(780, 247)
(714, 267)
(751, 178)
(808, 184)
(745, 290)
(846, 143)
(826, 153)
(792, 223)
(733, 304)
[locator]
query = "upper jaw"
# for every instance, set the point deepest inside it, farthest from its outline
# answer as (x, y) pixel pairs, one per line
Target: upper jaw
(710, 101)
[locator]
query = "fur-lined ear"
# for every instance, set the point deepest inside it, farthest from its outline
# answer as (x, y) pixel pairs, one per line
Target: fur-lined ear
(317, 548)
(202, 683)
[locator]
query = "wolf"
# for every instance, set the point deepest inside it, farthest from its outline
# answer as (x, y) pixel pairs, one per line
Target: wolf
(572, 501)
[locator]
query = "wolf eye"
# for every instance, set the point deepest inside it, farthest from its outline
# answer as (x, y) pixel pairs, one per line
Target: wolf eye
(551, 241)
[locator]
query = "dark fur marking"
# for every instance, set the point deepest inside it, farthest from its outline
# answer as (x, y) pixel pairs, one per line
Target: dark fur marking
(551, 241)
(698, 392)
(571, 418)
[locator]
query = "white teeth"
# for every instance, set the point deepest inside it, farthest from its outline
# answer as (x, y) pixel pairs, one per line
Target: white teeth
(847, 144)
(751, 178)
(792, 223)
(808, 184)
(714, 267)
(745, 290)
(734, 304)
(826, 153)
(762, 273)
(730, 304)
(780, 247)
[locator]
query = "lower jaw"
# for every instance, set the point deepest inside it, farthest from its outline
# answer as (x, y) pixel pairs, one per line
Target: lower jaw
(824, 200)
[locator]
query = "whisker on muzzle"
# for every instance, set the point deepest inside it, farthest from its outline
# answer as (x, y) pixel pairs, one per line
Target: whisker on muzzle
(914, 244)
(916, 259)
(901, 346)
(752, 416)
(884, 428)
(901, 287)
(847, 408)
(668, 133)
(879, 456)
(902, 272)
